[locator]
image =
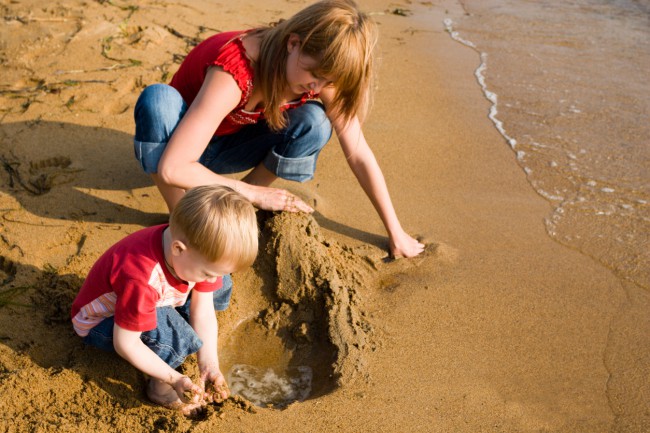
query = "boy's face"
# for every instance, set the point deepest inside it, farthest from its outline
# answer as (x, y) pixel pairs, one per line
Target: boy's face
(190, 265)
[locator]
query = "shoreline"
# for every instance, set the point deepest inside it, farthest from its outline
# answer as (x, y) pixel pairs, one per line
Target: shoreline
(500, 328)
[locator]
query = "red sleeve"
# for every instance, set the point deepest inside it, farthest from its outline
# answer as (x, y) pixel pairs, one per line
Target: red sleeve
(209, 287)
(233, 60)
(215, 50)
(135, 309)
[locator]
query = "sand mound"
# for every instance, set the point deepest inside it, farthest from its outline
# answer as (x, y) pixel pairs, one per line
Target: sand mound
(317, 298)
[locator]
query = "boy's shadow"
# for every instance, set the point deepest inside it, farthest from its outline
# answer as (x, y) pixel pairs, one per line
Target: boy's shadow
(35, 322)
(72, 172)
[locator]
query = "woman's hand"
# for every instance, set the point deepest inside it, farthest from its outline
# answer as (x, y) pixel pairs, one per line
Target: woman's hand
(403, 245)
(275, 199)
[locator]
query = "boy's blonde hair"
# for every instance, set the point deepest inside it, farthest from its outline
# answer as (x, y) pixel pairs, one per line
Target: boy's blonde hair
(219, 223)
(340, 37)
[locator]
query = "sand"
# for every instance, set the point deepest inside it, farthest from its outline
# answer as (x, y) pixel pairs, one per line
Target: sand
(496, 328)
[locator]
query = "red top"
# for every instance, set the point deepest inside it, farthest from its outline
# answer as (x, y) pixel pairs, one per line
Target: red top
(227, 51)
(129, 281)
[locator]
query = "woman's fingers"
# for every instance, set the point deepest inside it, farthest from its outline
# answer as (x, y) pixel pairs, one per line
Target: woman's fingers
(403, 245)
(293, 203)
(275, 199)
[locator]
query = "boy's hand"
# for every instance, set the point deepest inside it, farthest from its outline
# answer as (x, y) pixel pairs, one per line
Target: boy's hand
(187, 391)
(216, 388)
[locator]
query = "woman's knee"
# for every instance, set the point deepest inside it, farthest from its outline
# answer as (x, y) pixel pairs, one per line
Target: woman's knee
(157, 112)
(308, 131)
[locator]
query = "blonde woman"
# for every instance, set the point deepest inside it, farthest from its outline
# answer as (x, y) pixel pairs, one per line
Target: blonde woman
(266, 99)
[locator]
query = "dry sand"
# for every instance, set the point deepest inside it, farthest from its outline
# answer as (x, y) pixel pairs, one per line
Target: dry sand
(495, 328)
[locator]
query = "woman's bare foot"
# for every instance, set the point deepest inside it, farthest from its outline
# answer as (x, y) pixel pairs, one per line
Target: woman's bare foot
(163, 394)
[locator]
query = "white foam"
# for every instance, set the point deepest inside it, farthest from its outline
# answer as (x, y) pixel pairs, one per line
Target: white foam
(491, 96)
(264, 387)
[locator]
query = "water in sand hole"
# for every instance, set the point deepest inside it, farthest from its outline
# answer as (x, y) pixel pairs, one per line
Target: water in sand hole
(268, 387)
(260, 369)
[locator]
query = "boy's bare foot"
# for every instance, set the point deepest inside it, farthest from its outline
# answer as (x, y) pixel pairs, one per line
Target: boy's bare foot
(163, 394)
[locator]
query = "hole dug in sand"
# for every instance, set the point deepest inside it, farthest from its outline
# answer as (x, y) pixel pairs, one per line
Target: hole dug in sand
(310, 334)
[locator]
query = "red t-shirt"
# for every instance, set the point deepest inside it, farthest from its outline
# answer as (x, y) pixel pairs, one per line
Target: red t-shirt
(227, 51)
(129, 281)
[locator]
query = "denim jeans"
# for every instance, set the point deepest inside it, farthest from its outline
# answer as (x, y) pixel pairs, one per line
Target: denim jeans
(290, 153)
(173, 339)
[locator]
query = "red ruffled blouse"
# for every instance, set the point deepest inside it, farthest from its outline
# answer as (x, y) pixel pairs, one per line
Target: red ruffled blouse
(227, 51)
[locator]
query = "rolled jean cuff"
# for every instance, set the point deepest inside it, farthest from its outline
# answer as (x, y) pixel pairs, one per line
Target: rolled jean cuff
(296, 169)
(148, 154)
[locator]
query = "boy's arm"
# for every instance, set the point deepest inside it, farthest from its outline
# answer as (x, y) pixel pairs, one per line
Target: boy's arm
(203, 320)
(129, 346)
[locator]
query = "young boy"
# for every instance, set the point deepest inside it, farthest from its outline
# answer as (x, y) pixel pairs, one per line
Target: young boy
(152, 296)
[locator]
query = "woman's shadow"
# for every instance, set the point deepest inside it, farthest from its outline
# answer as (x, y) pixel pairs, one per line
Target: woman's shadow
(79, 173)
(72, 172)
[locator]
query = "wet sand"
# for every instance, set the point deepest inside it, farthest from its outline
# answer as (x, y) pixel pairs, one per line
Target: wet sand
(496, 328)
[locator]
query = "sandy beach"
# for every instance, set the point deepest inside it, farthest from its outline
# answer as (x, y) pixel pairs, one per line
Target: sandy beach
(497, 327)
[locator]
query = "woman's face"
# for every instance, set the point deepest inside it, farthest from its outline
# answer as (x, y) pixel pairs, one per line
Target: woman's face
(300, 79)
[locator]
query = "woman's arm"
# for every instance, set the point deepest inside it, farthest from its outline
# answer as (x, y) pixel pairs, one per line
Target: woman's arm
(364, 165)
(179, 167)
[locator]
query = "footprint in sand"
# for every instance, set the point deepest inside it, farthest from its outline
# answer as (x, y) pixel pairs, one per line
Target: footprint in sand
(44, 173)
(8, 270)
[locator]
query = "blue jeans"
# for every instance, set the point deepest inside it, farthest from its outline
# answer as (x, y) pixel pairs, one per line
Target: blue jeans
(173, 339)
(290, 153)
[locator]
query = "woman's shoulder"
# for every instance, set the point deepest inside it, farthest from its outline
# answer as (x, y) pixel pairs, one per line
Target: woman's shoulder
(230, 48)
(219, 47)
(233, 58)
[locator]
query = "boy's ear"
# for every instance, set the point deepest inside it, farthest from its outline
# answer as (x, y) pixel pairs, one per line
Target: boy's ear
(178, 247)
(293, 42)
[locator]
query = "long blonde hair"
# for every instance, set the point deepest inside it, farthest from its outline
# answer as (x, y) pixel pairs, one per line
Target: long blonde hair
(219, 223)
(340, 37)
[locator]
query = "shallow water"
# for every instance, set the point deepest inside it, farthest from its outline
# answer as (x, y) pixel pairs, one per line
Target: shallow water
(569, 84)
(268, 387)
(259, 367)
